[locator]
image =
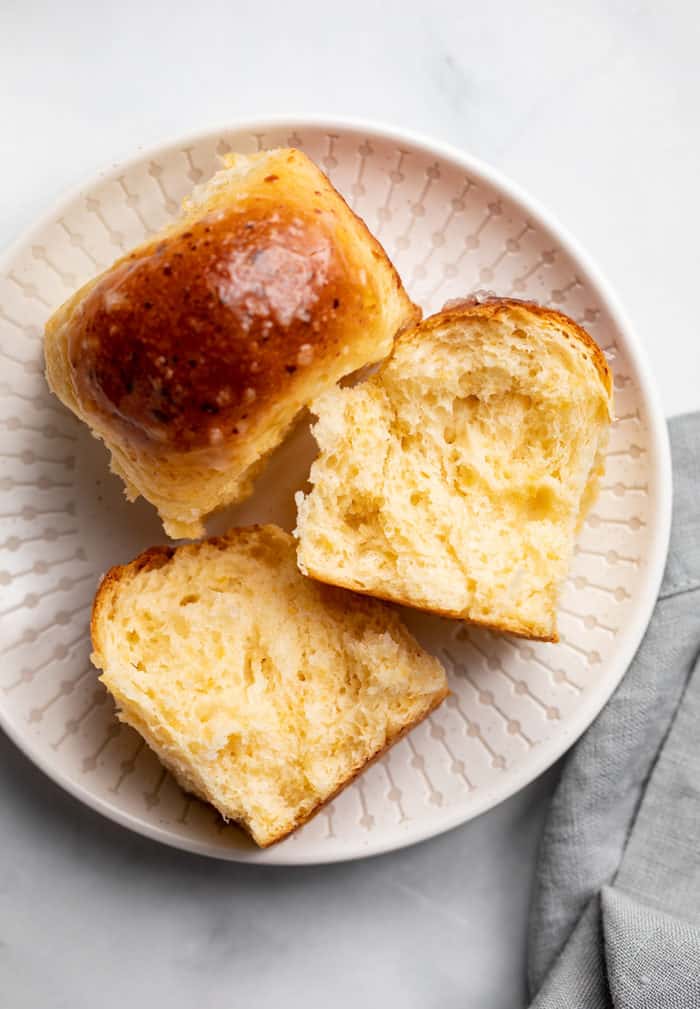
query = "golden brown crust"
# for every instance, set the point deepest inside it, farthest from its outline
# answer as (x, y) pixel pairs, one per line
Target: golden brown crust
(190, 337)
(192, 356)
(492, 306)
(518, 630)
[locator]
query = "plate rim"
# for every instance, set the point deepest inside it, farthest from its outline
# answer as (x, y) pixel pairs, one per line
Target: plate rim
(660, 460)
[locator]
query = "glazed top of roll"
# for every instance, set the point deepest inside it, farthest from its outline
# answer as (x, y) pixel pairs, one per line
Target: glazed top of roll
(268, 279)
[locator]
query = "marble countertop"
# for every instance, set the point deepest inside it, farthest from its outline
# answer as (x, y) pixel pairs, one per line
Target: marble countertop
(592, 108)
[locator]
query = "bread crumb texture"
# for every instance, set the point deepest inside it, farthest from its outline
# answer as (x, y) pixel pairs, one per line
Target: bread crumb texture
(262, 691)
(456, 477)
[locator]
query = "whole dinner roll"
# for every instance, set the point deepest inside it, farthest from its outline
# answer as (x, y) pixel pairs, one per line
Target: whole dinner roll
(192, 356)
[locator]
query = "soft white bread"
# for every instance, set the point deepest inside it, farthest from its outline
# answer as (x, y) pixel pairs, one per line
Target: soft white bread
(192, 356)
(262, 691)
(455, 478)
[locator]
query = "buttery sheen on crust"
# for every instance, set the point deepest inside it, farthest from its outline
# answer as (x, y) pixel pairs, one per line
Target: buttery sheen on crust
(264, 692)
(192, 356)
(455, 478)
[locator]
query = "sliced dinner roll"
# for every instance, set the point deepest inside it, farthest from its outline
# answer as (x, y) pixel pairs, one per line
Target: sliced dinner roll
(192, 355)
(455, 478)
(262, 691)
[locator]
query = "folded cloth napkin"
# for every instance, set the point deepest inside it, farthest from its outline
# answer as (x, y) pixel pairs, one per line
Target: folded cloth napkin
(615, 920)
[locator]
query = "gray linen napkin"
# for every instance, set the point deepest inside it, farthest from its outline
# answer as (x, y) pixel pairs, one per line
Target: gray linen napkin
(615, 920)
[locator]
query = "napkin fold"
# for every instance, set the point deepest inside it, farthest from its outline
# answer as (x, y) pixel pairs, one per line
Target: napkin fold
(615, 920)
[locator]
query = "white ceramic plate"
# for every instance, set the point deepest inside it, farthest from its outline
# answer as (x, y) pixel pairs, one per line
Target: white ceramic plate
(451, 225)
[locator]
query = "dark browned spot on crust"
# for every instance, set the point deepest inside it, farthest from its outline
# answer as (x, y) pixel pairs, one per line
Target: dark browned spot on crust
(258, 280)
(151, 559)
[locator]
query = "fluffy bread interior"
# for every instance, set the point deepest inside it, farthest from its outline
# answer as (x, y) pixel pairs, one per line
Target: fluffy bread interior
(262, 691)
(455, 478)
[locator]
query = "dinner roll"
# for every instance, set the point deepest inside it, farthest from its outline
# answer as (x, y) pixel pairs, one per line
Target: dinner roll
(192, 355)
(262, 691)
(455, 478)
